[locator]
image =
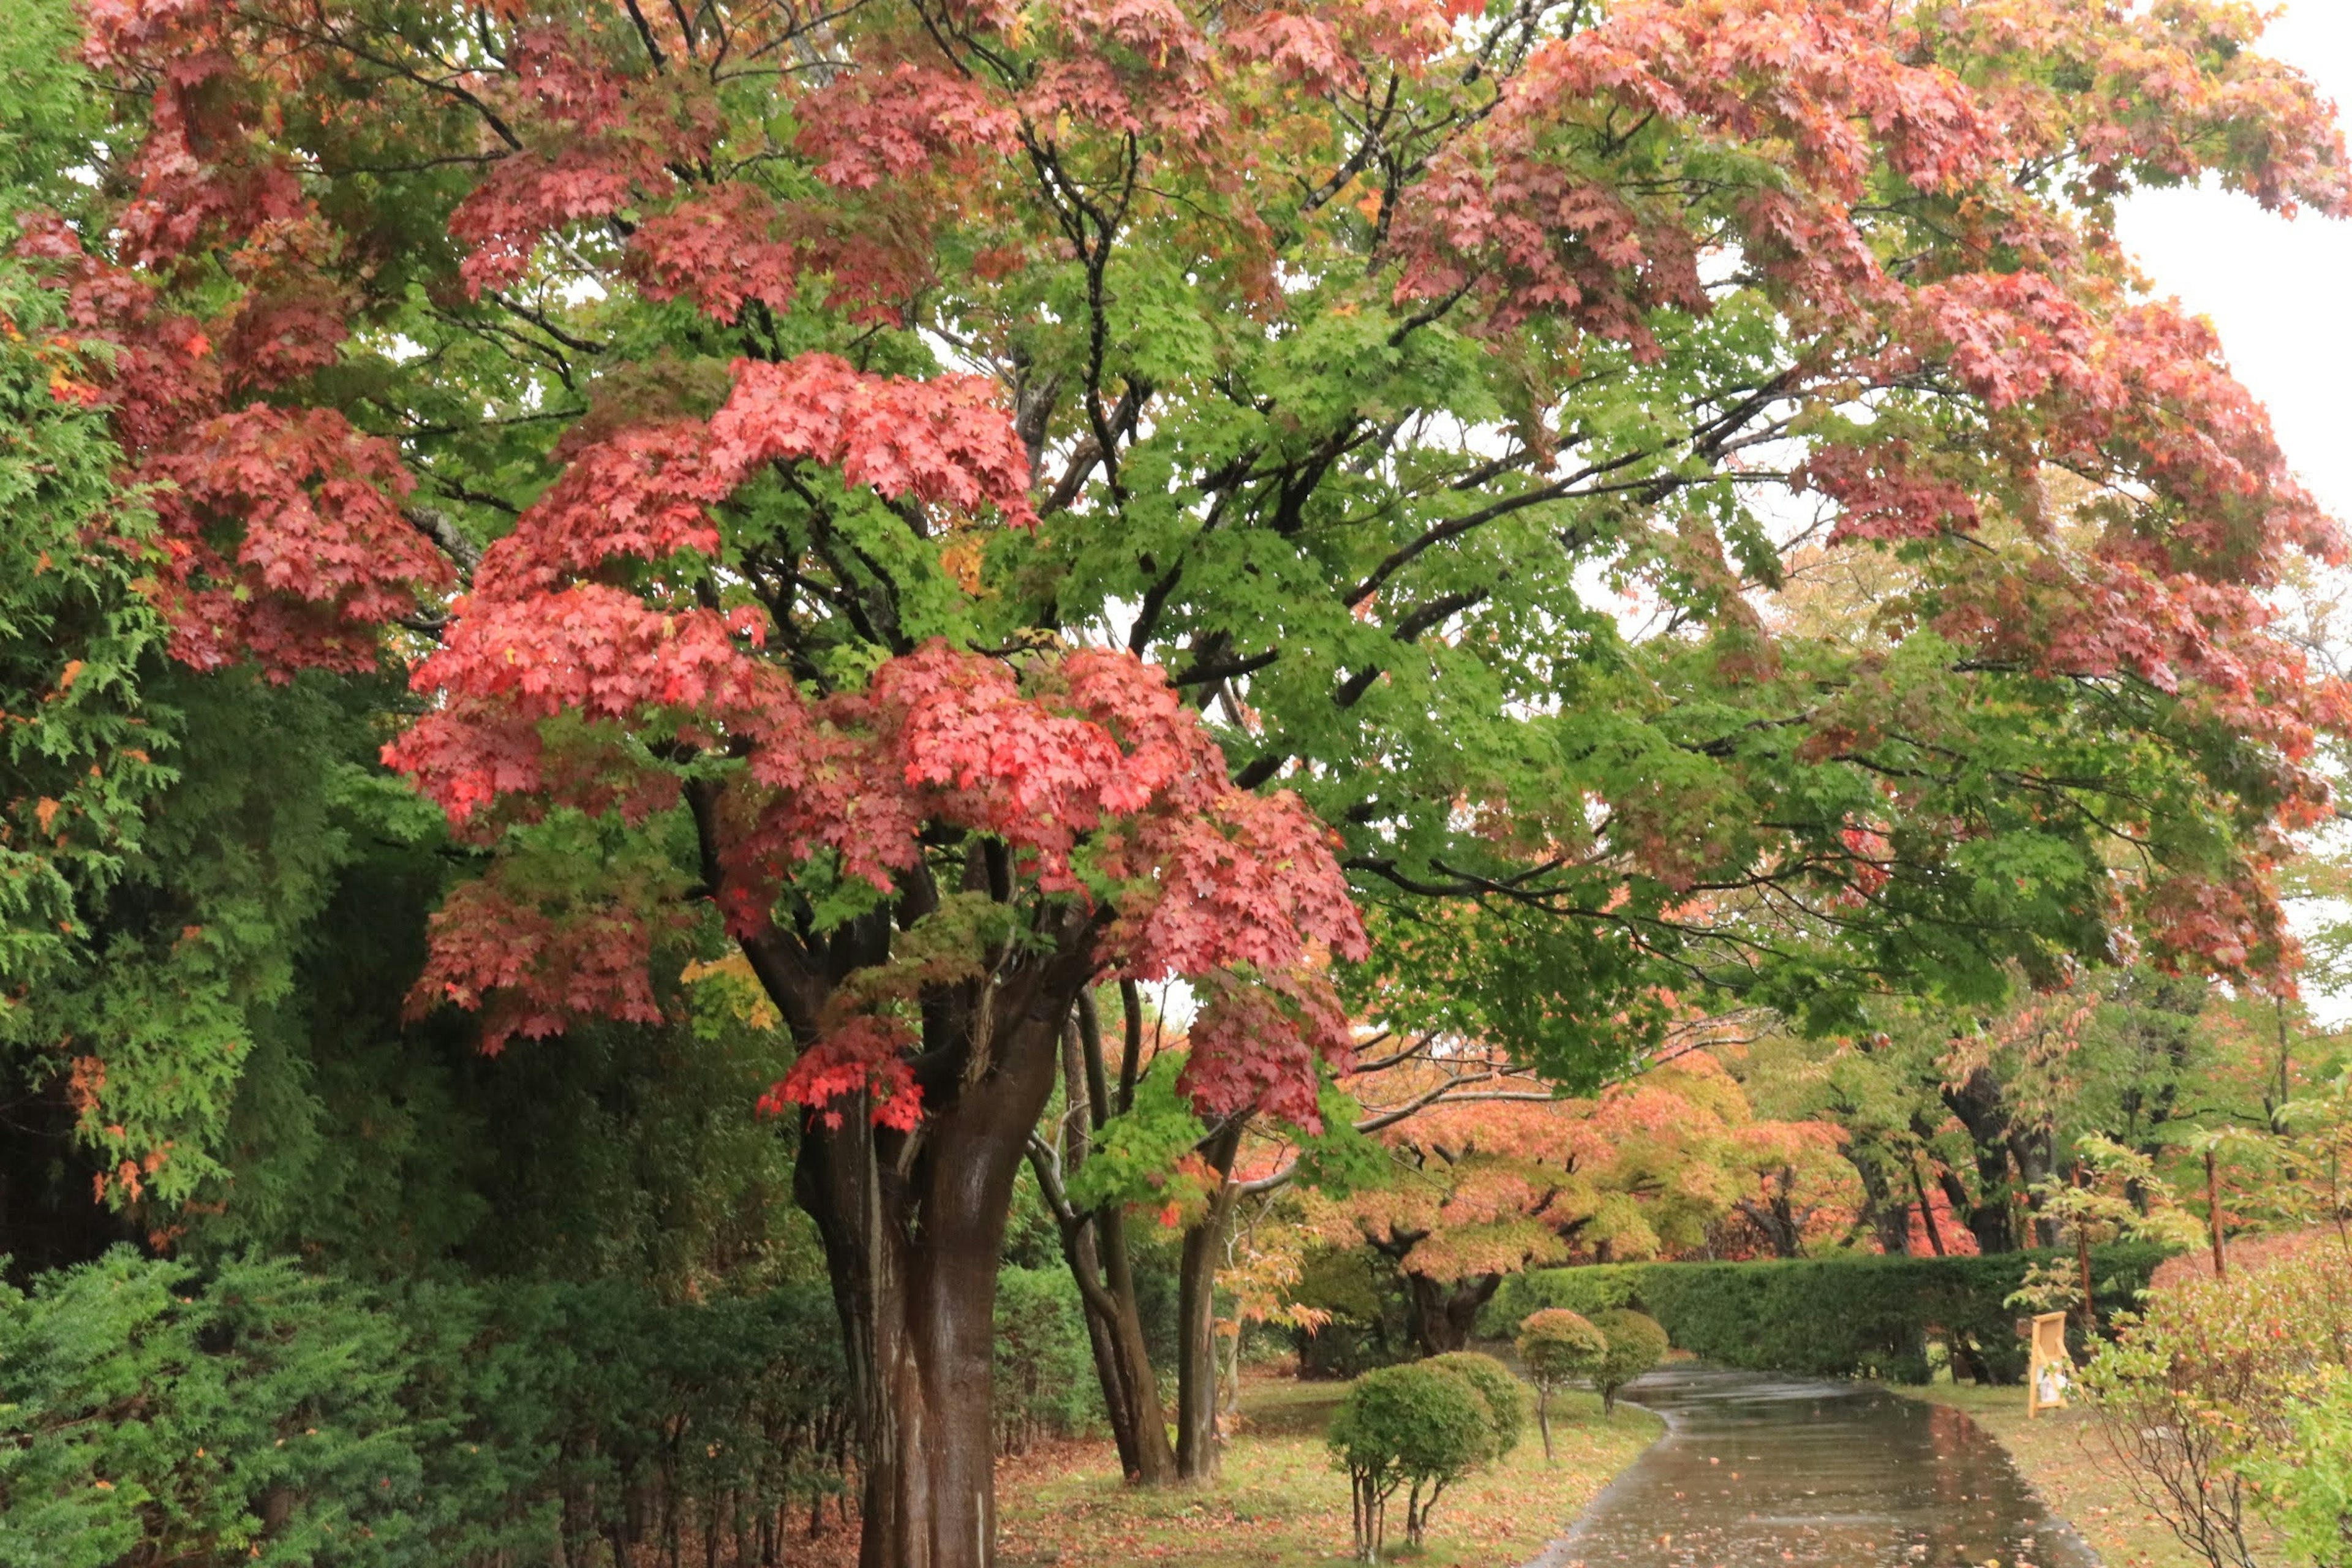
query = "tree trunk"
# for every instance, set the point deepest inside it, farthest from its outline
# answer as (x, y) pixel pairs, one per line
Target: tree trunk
(1119, 1406)
(2213, 1215)
(1093, 1245)
(1446, 1310)
(1888, 1216)
(1096, 1251)
(1155, 1461)
(1926, 1210)
(2030, 1150)
(913, 1222)
(1196, 1318)
(913, 1226)
(1982, 1107)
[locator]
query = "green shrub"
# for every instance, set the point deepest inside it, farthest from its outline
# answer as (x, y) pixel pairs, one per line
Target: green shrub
(254, 1413)
(2304, 1485)
(145, 1420)
(1636, 1344)
(1046, 1382)
(1505, 1396)
(1416, 1427)
(1829, 1317)
(1557, 1346)
(2229, 1394)
(1370, 1323)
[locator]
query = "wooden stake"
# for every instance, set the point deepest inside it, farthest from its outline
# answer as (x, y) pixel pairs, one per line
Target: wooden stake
(2213, 1215)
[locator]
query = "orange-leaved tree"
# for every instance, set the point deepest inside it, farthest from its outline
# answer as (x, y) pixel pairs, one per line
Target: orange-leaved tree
(1649, 1167)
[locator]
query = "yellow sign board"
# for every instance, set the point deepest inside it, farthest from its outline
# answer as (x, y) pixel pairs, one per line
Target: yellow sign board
(2047, 1375)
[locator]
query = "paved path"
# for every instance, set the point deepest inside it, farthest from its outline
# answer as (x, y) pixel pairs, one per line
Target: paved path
(1758, 1472)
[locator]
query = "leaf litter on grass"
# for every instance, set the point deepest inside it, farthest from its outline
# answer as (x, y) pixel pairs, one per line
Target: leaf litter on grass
(1279, 1504)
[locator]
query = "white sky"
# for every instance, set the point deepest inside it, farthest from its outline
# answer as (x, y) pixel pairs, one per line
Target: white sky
(2276, 289)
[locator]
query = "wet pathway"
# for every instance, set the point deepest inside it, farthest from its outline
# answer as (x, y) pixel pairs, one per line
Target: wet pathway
(1756, 1471)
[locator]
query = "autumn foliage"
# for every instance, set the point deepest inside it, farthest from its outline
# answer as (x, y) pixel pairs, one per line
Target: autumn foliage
(1664, 1165)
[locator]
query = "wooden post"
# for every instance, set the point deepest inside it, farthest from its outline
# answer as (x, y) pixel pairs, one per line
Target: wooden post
(2083, 1262)
(2213, 1215)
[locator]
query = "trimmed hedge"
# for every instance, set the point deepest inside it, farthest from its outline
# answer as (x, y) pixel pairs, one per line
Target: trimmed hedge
(1829, 1317)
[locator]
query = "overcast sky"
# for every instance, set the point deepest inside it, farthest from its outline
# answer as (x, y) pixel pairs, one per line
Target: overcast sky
(2280, 292)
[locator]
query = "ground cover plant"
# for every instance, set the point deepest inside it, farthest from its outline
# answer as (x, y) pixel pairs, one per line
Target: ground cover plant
(823, 537)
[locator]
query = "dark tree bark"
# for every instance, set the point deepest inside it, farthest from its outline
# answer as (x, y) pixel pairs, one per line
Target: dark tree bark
(913, 1253)
(1196, 1323)
(913, 1222)
(1775, 1219)
(1982, 1107)
(1079, 1252)
(1889, 1217)
(1440, 1313)
(1928, 1213)
(1446, 1310)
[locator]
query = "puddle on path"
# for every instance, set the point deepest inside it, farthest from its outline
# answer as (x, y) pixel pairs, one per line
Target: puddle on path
(1756, 1471)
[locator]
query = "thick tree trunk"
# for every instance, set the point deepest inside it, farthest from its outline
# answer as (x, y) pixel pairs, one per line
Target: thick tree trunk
(913, 1222)
(1889, 1217)
(1980, 1105)
(913, 1227)
(1445, 1312)
(2030, 1150)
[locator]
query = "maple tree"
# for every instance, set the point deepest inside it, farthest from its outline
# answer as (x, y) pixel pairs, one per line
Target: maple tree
(1955, 1126)
(843, 482)
(1647, 1168)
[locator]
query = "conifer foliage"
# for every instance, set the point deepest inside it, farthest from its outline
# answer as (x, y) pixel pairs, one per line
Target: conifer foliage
(842, 482)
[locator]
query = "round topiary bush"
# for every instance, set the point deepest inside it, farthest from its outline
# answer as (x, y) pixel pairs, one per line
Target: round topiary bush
(1557, 1347)
(1416, 1427)
(1505, 1396)
(1636, 1344)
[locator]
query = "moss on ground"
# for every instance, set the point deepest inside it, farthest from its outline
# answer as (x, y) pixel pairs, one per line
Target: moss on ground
(1279, 1503)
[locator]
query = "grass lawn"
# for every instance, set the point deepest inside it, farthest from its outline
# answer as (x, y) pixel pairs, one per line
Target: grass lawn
(1281, 1505)
(2071, 1467)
